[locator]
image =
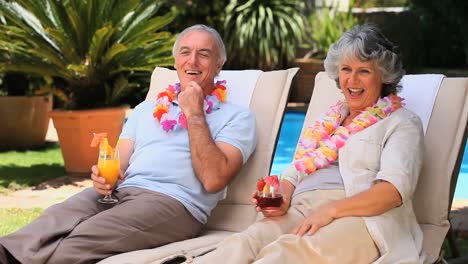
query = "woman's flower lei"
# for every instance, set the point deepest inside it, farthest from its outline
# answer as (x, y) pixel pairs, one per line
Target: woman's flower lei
(165, 98)
(319, 144)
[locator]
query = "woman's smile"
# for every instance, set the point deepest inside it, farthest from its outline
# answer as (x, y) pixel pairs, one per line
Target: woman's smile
(355, 92)
(361, 83)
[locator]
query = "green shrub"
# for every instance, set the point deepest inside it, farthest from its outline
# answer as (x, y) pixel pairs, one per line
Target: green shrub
(263, 34)
(327, 26)
(89, 48)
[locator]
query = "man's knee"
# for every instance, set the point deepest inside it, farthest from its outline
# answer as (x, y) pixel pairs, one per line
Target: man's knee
(6, 257)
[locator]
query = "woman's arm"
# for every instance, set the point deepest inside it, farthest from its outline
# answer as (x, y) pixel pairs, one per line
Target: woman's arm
(379, 198)
(394, 184)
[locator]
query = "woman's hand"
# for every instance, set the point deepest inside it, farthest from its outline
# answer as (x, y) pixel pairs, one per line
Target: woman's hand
(287, 190)
(323, 216)
(282, 210)
(99, 183)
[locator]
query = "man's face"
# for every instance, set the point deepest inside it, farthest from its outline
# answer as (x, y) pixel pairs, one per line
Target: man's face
(197, 59)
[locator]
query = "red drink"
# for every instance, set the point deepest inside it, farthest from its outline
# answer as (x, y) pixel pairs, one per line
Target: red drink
(268, 194)
(269, 202)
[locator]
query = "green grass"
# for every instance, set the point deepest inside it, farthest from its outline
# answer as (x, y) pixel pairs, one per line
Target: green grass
(23, 169)
(13, 219)
(461, 244)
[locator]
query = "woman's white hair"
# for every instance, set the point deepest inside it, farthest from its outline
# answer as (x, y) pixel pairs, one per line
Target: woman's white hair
(366, 43)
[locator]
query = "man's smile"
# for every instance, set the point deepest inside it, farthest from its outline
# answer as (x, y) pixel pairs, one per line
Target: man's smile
(192, 72)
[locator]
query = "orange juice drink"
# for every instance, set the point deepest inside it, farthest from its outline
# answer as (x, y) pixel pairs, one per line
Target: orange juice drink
(109, 169)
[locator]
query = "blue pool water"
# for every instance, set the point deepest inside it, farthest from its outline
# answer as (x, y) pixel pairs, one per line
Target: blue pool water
(290, 132)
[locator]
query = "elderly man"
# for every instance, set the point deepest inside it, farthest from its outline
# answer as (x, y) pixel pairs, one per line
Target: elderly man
(177, 153)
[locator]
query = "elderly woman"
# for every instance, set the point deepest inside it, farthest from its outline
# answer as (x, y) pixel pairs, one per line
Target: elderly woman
(347, 194)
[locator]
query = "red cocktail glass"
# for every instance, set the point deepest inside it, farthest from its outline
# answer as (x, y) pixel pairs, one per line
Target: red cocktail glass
(269, 196)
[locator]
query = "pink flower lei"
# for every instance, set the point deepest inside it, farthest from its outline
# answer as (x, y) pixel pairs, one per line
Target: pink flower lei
(319, 143)
(164, 103)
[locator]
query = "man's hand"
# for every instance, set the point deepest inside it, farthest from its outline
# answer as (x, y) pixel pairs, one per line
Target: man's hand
(99, 183)
(191, 100)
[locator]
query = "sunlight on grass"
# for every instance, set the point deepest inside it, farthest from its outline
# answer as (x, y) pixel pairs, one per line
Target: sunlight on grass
(49, 154)
(22, 169)
(15, 218)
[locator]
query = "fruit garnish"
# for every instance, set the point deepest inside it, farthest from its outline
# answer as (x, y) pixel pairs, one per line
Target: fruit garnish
(97, 137)
(100, 139)
(260, 185)
(272, 180)
(266, 188)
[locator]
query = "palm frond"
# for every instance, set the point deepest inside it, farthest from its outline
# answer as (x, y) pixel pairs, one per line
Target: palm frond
(90, 44)
(267, 31)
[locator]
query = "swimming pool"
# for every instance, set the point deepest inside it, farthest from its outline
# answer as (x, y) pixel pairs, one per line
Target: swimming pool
(290, 132)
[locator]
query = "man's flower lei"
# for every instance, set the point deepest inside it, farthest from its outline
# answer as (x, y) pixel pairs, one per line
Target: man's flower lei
(164, 103)
(319, 144)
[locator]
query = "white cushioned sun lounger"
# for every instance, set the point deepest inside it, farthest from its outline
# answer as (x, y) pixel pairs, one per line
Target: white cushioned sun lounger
(266, 94)
(444, 113)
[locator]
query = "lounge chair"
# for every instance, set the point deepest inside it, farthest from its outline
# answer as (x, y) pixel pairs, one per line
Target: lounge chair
(445, 117)
(266, 94)
(444, 112)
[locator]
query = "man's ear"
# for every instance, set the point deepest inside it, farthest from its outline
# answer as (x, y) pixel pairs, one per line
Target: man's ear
(218, 68)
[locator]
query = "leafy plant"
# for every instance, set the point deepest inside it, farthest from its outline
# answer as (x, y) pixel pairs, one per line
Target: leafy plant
(87, 48)
(378, 3)
(20, 84)
(198, 12)
(263, 34)
(327, 26)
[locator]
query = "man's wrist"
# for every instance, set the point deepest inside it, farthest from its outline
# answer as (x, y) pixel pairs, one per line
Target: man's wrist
(195, 119)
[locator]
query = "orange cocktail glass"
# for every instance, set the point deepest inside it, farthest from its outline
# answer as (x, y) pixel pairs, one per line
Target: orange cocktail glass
(109, 169)
(108, 164)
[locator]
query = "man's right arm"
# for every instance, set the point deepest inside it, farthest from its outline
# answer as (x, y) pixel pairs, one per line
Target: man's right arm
(126, 148)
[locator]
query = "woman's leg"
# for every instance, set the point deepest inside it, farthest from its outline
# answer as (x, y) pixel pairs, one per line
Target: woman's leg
(244, 247)
(37, 241)
(345, 240)
(143, 219)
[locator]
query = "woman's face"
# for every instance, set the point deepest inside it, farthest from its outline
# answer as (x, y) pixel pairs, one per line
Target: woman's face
(361, 83)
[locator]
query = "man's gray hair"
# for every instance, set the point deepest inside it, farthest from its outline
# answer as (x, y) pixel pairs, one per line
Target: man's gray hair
(212, 32)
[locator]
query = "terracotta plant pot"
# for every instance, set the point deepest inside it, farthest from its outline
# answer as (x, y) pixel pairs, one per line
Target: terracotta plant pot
(75, 130)
(24, 121)
(303, 82)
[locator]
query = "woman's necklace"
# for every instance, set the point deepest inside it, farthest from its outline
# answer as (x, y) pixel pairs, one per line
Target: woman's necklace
(318, 146)
(164, 103)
